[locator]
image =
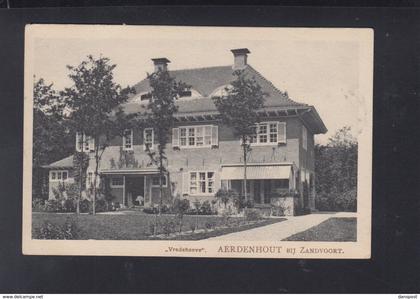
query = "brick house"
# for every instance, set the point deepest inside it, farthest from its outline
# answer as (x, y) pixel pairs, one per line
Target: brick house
(203, 154)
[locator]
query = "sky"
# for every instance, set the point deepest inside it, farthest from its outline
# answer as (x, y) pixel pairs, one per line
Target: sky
(320, 67)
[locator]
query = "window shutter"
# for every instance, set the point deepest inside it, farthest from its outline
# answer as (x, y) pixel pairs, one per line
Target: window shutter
(78, 145)
(214, 135)
(185, 182)
(91, 144)
(175, 137)
(281, 132)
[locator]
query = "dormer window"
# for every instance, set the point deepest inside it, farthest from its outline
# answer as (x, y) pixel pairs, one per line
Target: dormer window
(128, 140)
(145, 97)
(185, 93)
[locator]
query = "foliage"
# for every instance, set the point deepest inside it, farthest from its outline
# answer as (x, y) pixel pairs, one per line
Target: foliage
(252, 215)
(94, 104)
(126, 160)
(244, 97)
(226, 195)
(52, 205)
(80, 165)
(85, 206)
(101, 205)
(168, 227)
(51, 134)
(336, 173)
(68, 205)
(160, 116)
(68, 231)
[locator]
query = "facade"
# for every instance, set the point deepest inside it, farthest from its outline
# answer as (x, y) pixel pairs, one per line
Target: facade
(205, 155)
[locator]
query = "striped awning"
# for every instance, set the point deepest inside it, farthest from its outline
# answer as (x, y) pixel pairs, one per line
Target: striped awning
(256, 172)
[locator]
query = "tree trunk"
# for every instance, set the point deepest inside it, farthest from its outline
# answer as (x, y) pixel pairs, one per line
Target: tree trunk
(245, 181)
(80, 177)
(95, 176)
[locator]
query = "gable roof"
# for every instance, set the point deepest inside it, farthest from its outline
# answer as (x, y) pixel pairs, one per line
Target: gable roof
(206, 81)
(61, 164)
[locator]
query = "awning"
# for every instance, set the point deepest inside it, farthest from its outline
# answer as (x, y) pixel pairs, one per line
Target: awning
(142, 171)
(256, 172)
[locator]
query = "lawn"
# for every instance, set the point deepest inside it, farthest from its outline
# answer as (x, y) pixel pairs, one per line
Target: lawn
(136, 226)
(331, 230)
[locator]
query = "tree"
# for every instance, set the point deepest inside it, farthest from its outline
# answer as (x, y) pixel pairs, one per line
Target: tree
(94, 105)
(159, 115)
(237, 108)
(49, 127)
(336, 172)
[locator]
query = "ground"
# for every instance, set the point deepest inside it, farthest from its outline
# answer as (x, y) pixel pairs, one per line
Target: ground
(137, 226)
(333, 229)
(294, 225)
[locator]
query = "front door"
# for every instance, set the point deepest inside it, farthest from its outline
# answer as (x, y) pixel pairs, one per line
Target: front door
(257, 191)
(134, 191)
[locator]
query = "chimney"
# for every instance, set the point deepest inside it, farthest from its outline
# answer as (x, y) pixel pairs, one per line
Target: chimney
(240, 58)
(160, 64)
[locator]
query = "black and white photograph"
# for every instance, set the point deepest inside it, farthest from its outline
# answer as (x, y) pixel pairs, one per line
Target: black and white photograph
(198, 141)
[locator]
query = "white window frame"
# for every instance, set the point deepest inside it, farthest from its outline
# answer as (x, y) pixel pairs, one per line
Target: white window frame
(87, 141)
(130, 135)
(206, 182)
(206, 135)
(144, 138)
(304, 137)
(88, 184)
(116, 186)
(163, 185)
(56, 179)
(258, 135)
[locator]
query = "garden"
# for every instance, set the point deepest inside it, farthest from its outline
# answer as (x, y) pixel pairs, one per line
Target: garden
(182, 220)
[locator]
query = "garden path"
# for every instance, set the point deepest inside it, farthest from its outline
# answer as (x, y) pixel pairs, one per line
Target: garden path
(281, 230)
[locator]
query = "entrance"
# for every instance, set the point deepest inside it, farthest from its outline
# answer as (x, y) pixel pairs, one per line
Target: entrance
(134, 188)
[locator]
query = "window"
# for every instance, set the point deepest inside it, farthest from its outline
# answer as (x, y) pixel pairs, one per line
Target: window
(148, 137)
(269, 133)
(201, 182)
(59, 175)
(84, 142)
(145, 97)
(195, 136)
(304, 137)
(117, 182)
(89, 182)
(128, 140)
(156, 182)
(185, 93)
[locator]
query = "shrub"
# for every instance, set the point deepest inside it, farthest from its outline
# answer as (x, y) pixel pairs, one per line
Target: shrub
(205, 208)
(68, 231)
(38, 204)
(225, 196)
(69, 205)
(252, 215)
(85, 206)
(52, 205)
(168, 227)
(100, 206)
(151, 210)
(193, 226)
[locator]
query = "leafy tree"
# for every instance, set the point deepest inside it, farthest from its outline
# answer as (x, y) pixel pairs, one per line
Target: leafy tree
(159, 115)
(336, 172)
(94, 105)
(50, 131)
(238, 107)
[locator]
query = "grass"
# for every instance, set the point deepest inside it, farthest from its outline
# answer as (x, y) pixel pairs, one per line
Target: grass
(136, 226)
(331, 230)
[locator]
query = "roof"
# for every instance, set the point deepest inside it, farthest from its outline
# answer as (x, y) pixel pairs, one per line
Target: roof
(206, 81)
(61, 164)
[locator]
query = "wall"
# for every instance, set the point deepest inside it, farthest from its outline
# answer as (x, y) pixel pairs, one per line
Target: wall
(54, 184)
(211, 159)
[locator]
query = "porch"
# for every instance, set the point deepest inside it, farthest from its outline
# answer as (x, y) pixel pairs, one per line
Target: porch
(134, 187)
